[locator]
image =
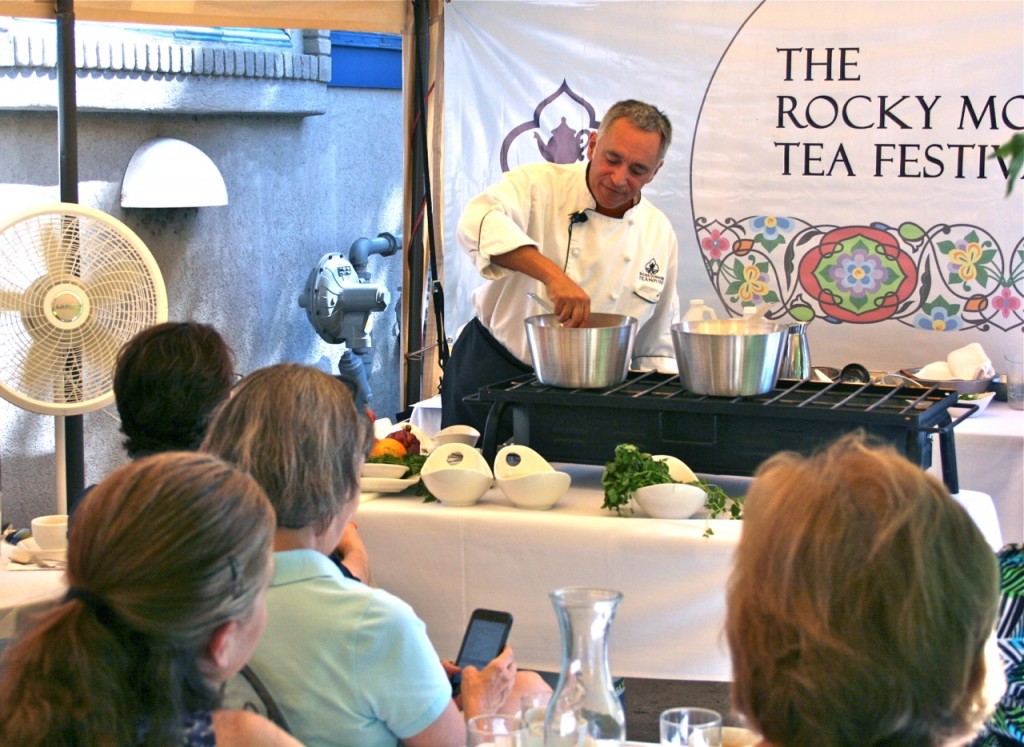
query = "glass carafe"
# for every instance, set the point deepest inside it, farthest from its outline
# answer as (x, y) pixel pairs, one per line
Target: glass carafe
(584, 710)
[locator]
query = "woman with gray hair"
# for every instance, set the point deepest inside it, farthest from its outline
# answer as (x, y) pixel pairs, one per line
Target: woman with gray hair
(168, 568)
(860, 604)
(346, 663)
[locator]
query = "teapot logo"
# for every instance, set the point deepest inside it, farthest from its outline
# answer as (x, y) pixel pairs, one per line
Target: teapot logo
(652, 273)
(561, 143)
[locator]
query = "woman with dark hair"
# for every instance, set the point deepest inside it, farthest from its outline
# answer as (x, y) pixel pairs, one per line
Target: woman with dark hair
(167, 381)
(168, 566)
(860, 605)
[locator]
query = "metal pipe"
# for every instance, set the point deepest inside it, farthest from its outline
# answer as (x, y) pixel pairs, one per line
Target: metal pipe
(385, 245)
(67, 137)
(419, 195)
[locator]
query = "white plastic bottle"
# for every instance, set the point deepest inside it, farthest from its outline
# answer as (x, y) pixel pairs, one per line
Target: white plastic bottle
(698, 311)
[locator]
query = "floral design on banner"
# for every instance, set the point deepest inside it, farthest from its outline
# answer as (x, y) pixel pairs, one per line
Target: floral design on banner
(947, 278)
(562, 144)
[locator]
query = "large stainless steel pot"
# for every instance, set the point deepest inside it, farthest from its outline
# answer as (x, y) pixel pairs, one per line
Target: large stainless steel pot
(590, 357)
(728, 357)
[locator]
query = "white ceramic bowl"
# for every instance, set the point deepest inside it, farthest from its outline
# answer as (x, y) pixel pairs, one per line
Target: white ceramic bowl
(677, 468)
(516, 461)
(982, 400)
(457, 434)
(539, 491)
(670, 500)
(456, 474)
(526, 478)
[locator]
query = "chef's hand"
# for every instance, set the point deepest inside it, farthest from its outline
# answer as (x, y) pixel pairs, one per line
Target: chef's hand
(571, 303)
(486, 690)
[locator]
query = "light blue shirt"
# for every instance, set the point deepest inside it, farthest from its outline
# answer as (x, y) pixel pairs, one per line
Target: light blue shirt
(349, 665)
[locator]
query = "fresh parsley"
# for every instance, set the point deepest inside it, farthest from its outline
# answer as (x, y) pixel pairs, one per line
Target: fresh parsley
(629, 470)
(632, 469)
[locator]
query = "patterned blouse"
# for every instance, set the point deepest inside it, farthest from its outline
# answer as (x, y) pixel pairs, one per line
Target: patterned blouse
(1005, 727)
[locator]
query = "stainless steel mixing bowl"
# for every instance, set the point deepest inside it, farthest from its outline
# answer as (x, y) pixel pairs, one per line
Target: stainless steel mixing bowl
(590, 357)
(728, 357)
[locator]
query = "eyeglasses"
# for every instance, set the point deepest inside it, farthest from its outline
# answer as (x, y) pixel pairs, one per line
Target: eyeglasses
(236, 379)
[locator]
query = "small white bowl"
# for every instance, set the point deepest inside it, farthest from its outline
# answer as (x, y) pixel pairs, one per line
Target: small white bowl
(671, 500)
(677, 468)
(456, 474)
(526, 478)
(539, 491)
(981, 400)
(457, 434)
(382, 469)
(515, 461)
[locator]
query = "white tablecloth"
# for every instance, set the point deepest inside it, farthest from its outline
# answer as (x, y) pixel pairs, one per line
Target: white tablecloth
(447, 561)
(990, 459)
(989, 447)
(22, 587)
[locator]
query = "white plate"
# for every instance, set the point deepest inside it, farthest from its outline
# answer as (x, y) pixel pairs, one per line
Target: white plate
(380, 469)
(387, 484)
(28, 551)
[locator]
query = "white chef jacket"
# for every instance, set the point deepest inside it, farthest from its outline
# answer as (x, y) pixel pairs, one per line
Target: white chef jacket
(626, 265)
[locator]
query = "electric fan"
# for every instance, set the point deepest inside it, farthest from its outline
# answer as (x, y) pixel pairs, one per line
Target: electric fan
(75, 285)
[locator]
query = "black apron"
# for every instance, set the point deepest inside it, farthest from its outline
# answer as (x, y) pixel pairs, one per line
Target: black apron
(477, 360)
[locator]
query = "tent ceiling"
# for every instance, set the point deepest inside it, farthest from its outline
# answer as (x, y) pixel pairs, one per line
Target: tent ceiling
(380, 16)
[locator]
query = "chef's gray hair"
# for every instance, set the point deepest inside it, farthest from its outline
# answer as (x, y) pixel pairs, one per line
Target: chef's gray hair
(644, 116)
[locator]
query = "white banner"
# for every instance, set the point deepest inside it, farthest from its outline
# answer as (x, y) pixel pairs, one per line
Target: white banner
(832, 159)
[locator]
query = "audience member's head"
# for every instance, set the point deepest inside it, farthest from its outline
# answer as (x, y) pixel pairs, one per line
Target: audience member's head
(297, 431)
(167, 382)
(860, 603)
(168, 566)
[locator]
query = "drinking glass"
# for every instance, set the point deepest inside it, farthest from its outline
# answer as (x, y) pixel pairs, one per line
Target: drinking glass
(691, 727)
(495, 730)
(1015, 380)
(533, 707)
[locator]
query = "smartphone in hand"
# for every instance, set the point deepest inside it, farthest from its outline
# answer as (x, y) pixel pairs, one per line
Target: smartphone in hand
(485, 637)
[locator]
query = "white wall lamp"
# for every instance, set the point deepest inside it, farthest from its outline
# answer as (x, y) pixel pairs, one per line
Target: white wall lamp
(170, 173)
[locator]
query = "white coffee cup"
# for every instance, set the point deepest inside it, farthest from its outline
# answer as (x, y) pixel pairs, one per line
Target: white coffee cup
(51, 532)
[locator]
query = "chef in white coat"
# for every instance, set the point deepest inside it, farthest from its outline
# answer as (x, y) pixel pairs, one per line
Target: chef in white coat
(581, 236)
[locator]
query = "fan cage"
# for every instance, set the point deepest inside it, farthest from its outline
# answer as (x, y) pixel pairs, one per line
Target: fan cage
(75, 285)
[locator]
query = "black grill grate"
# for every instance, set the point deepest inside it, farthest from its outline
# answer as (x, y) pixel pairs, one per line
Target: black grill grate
(719, 435)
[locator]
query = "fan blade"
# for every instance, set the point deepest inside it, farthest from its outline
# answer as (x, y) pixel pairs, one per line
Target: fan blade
(10, 300)
(113, 277)
(62, 244)
(42, 367)
(99, 347)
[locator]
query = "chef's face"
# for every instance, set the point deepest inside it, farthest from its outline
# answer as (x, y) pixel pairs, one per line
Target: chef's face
(622, 160)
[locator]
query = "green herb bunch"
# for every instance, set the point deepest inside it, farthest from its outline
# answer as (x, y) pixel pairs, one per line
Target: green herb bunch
(629, 470)
(632, 469)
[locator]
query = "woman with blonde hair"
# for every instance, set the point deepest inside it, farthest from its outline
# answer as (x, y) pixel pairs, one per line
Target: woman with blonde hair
(168, 566)
(860, 603)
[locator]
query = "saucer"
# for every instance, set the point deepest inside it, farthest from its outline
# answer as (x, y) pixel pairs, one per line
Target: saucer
(27, 551)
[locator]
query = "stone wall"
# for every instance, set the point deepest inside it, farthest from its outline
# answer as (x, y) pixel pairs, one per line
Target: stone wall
(309, 169)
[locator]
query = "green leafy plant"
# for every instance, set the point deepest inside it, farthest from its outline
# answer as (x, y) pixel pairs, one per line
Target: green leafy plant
(1012, 149)
(632, 469)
